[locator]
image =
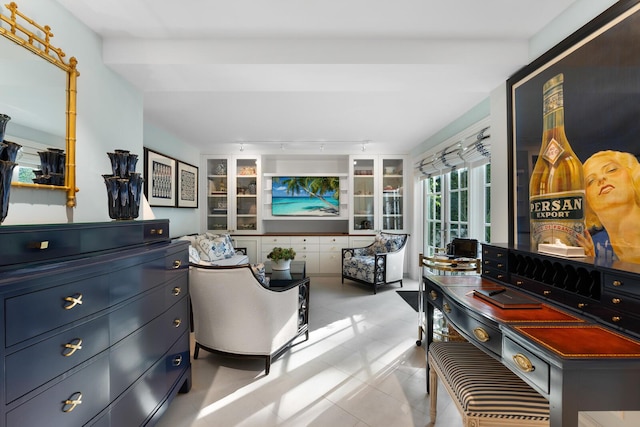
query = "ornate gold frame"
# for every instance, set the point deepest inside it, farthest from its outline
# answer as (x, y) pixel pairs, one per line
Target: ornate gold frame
(22, 35)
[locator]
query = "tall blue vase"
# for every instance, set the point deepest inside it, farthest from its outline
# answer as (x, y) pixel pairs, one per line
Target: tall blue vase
(4, 119)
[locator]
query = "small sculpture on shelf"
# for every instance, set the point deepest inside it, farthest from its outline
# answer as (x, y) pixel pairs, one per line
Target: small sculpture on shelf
(124, 186)
(52, 164)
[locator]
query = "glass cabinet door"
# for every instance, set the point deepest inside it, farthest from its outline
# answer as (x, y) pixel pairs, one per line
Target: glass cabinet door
(217, 194)
(392, 191)
(363, 208)
(246, 195)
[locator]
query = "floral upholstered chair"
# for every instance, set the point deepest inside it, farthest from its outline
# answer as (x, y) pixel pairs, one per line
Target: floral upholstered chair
(380, 263)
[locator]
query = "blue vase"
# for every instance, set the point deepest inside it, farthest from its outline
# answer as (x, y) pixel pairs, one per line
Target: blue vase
(6, 172)
(4, 119)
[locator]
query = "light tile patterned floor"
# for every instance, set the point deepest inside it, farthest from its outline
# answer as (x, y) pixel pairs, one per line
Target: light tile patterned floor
(361, 367)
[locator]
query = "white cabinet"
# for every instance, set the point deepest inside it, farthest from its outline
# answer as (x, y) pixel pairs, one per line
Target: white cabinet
(322, 253)
(330, 257)
(251, 244)
(377, 194)
(232, 194)
(307, 249)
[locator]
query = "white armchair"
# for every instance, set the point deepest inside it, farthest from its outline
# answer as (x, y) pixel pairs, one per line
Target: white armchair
(380, 263)
(236, 315)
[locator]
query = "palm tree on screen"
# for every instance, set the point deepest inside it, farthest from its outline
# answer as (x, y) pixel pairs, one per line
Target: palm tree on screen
(317, 187)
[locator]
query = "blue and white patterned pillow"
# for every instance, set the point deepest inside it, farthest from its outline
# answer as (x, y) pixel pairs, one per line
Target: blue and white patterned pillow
(229, 251)
(214, 249)
(259, 271)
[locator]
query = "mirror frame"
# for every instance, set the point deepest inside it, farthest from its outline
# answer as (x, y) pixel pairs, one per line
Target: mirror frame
(30, 39)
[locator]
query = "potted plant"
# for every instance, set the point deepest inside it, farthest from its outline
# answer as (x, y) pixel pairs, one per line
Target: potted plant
(281, 258)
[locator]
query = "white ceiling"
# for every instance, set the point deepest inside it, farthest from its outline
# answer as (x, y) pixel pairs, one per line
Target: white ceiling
(297, 74)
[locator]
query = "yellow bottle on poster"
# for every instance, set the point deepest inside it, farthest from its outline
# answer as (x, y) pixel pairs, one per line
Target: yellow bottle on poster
(556, 187)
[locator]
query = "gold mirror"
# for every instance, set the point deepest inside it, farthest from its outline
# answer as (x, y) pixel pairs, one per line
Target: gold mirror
(40, 99)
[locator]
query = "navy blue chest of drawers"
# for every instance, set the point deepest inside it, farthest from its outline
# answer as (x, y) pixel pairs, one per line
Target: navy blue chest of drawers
(96, 323)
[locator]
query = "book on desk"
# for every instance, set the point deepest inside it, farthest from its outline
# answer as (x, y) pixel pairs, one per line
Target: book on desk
(505, 298)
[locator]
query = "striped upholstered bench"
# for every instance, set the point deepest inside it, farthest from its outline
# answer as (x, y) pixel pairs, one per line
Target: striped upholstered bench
(485, 391)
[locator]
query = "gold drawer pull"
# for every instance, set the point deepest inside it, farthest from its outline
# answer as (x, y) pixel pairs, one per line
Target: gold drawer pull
(74, 400)
(177, 263)
(523, 362)
(39, 245)
(487, 262)
(500, 265)
(72, 347)
(176, 291)
(159, 231)
(500, 276)
(500, 254)
(433, 295)
(617, 283)
(616, 319)
(481, 334)
(519, 282)
(177, 361)
(446, 308)
(546, 293)
(73, 301)
(616, 300)
(177, 322)
(582, 305)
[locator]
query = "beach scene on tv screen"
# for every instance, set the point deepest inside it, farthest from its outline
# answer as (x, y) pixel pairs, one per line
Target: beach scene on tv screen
(305, 196)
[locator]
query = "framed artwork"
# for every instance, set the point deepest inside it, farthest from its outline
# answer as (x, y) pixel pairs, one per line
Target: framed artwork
(160, 179)
(580, 100)
(187, 185)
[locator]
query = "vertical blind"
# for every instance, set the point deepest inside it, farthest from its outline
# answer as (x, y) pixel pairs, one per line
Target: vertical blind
(471, 149)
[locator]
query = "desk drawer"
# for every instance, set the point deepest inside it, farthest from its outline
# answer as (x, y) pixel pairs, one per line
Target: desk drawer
(433, 294)
(527, 365)
(481, 333)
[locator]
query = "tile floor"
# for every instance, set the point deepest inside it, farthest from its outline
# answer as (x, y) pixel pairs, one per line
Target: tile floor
(361, 367)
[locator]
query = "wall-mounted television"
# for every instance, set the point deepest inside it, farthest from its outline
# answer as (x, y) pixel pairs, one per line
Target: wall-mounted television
(305, 196)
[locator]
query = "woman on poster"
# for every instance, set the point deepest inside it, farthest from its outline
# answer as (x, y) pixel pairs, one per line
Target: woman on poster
(612, 192)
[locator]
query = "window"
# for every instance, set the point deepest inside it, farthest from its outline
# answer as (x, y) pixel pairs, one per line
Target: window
(457, 204)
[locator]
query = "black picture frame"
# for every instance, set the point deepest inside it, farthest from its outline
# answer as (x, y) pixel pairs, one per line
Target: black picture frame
(160, 179)
(187, 186)
(601, 67)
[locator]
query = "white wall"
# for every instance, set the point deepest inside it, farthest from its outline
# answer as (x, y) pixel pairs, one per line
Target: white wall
(109, 116)
(184, 220)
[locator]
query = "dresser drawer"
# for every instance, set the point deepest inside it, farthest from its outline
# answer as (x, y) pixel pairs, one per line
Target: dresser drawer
(25, 370)
(155, 231)
(132, 356)
(483, 334)
(133, 411)
(90, 386)
(34, 313)
(526, 364)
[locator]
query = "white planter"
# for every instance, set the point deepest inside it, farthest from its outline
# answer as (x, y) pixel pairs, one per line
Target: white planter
(281, 264)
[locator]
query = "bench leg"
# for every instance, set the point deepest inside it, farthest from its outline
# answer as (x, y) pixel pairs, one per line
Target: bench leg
(433, 394)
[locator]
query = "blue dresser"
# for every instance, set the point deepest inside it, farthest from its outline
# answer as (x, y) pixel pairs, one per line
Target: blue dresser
(96, 323)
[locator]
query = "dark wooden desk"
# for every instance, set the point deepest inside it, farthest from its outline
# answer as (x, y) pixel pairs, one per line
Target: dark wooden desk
(572, 360)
